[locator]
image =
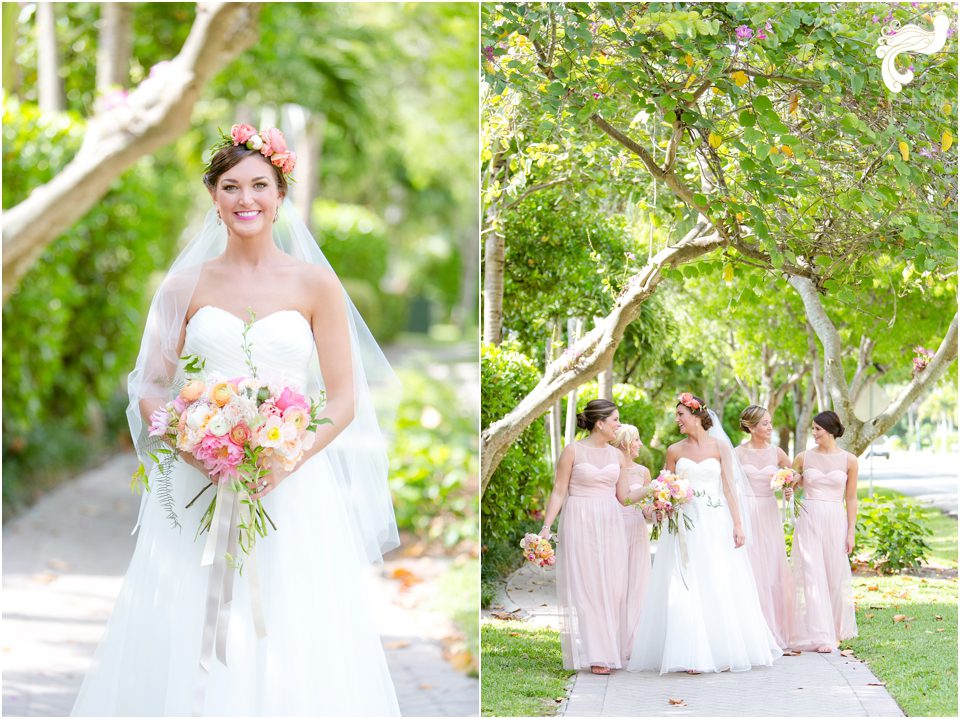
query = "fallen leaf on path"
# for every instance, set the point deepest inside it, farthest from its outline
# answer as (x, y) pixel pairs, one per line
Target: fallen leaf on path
(399, 644)
(425, 686)
(874, 588)
(514, 634)
(406, 578)
(677, 702)
(938, 618)
(461, 661)
(558, 699)
(876, 684)
(45, 578)
(505, 615)
(792, 653)
(846, 653)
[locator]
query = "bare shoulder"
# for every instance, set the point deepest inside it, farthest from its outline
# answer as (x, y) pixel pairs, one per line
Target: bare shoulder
(782, 456)
(675, 449)
(852, 460)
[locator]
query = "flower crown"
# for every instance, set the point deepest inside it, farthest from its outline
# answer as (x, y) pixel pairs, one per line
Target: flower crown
(270, 142)
(690, 402)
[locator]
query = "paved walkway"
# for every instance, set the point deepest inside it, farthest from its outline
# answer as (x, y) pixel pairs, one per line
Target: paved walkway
(63, 561)
(807, 685)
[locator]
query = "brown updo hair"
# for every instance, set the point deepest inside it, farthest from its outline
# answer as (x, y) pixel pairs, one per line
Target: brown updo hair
(701, 413)
(596, 410)
(751, 416)
(830, 421)
(227, 157)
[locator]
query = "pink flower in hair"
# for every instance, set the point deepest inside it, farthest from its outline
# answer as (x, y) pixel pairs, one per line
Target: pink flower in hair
(241, 133)
(273, 139)
(285, 161)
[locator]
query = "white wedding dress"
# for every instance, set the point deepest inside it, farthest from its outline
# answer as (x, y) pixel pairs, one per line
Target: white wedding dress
(701, 610)
(321, 655)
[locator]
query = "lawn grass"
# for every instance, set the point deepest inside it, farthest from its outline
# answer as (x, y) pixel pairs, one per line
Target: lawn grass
(523, 672)
(917, 658)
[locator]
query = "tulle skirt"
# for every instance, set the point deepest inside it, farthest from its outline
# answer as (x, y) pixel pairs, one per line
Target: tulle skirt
(321, 656)
(638, 573)
(771, 571)
(826, 614)
(591, 581)
(702, 613)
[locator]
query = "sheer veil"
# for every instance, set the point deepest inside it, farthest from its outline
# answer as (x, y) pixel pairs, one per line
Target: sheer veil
(358, 454)
(740, 482)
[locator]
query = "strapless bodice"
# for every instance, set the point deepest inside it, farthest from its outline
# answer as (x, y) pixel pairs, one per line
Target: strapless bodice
(281, 344)
(704, 476)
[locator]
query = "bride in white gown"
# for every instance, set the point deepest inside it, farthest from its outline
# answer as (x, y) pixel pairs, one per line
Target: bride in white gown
(701, 612)
(320, 654)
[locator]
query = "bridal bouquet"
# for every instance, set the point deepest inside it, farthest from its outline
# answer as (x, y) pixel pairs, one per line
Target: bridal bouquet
(538, 550)
(239, 428)
(668, 494)
(786, 478)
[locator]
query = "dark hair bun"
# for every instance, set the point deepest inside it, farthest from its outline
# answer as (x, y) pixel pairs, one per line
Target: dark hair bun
(830, 421)
(595, 411)
(704, 418)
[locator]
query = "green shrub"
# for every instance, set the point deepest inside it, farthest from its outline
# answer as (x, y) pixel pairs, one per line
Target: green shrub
(71, 330)
(434, 472)
(892, 532)
(517, 492)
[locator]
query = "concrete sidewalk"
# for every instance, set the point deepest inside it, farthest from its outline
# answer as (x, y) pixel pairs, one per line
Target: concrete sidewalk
(807, 685)
(63, 562)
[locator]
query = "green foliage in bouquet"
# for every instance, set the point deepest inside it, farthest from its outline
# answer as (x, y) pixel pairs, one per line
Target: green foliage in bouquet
(892, 531)
(521, 484)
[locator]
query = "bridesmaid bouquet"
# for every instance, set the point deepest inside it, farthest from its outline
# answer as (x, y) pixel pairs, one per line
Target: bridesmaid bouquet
(668, 494)
(788, 478)
(240, 429)
(538, 550)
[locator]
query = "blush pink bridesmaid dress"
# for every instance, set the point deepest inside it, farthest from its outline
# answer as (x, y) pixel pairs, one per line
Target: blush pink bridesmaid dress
(638, 563)
(820, 558)
(766, 547)
(591, 561)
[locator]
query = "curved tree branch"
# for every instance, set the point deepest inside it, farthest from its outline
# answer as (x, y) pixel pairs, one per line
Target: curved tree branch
(155, 114)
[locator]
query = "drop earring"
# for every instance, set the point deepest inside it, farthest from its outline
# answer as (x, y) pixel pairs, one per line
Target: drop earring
(276, 216)
(219, 219)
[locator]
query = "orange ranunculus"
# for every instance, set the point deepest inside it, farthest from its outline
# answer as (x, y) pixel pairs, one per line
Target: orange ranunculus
(222, 393)
(192, 390)
(240, 434)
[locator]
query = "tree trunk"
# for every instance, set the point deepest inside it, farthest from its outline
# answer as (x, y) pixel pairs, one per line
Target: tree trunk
(594, 351)
(859, 434)
(11, 71)
(308, 130)
(49, 83)
(805, 398)
(605, 378)
(574, 330)
(114, 46)
(494, 250)
(156, 113)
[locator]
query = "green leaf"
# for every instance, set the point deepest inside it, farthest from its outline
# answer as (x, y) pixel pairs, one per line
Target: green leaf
(747, 119)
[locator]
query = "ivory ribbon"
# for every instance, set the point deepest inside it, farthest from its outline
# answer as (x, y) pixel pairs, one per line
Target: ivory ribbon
(224, 537)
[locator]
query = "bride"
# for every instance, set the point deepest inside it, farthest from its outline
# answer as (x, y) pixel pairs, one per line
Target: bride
(701, 612)
(291, 634)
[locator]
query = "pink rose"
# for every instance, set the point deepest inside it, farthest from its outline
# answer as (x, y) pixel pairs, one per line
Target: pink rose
(289, 398)
(284, 160)
(242, 133)
(273, 141)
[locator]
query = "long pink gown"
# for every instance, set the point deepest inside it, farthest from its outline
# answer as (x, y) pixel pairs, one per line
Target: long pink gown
(766, 547)
(591, 561)
(820, 560)
(638, 564)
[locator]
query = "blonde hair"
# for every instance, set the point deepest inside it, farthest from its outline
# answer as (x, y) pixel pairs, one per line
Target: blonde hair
(751, 416)
(626, 433)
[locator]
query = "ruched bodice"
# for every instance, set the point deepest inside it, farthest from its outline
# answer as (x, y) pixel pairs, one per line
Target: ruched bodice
(825, 476)
(281, 344)
(704, 476)
(759, 465)
(595, 471)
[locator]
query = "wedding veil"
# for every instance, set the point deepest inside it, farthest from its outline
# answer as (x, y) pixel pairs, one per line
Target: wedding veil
(740, 482)
(358, 455)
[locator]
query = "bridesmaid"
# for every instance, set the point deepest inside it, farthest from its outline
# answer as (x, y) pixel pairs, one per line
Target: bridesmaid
(591, 563)
(635, 478)
(766, 548)
(823, 537)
